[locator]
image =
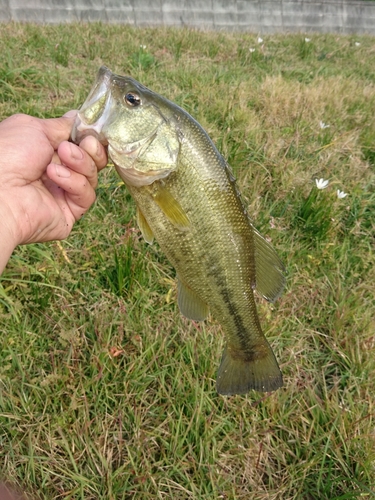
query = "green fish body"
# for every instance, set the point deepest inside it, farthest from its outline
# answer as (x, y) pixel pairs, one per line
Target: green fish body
(187, 200)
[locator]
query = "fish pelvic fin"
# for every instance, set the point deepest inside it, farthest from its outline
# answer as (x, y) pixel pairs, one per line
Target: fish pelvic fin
(239, 374)
(144, 227)
(190, 305)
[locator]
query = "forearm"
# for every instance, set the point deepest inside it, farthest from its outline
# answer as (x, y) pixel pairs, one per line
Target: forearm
(7, 238)
(6, 250)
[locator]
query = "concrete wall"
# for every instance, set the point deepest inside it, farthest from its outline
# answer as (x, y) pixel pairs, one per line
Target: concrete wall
(259, 16)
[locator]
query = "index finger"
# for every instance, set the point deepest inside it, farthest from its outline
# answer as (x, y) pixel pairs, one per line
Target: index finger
(96, 150)
(77, 159)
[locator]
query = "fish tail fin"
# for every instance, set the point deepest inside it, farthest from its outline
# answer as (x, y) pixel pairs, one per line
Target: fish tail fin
(240, 374)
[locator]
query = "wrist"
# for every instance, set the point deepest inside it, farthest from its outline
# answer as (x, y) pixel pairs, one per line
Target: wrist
(8, 233)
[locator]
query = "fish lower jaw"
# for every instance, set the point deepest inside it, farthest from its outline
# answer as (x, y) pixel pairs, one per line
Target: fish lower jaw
(136, 178)
(81, 130)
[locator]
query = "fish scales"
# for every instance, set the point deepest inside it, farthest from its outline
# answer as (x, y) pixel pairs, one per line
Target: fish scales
(187, 200)
(209, 272)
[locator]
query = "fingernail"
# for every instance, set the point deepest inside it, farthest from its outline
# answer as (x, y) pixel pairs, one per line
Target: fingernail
(93, 144)
(70, 114)
(62, 171)
(76, 152)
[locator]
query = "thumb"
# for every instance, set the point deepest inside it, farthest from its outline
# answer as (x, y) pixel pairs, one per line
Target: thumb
(70, 114)
(59, 129)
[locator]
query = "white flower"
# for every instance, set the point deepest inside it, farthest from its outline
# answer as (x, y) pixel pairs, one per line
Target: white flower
(323, 125)
(341, 194)
(251, 49)
(143, 47)
(357, 44)
(321, 183)
(260, 40)
(307, 40)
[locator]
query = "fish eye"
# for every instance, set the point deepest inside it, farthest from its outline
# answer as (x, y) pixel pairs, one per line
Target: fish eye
(132, 99)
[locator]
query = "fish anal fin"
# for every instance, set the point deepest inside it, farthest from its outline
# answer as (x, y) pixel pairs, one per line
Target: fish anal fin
(269, 270)
(170, 207)
(191, 306)
(240, 374)
(144, 227)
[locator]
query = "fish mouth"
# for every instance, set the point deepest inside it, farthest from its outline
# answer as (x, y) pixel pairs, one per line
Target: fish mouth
(95, 110)
(80, 132)
(83, 128)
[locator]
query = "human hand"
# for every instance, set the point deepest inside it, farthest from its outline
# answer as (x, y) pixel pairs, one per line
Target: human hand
(46, 182)
(8, 494)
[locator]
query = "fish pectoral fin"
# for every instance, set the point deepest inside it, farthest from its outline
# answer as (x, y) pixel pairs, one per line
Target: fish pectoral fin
(170, 207)
(191, 306)
(146, 231)
(269, 270)
(239, 374)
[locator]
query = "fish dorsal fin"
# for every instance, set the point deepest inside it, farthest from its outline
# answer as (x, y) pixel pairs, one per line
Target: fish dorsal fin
(191, 306)
(170, 207)
(146, 231)
(269, 270)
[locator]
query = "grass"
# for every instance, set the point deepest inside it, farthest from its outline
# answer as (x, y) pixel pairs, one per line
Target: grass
(106, 392)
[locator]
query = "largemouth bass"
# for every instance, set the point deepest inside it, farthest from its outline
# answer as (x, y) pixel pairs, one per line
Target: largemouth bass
(187, 199)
